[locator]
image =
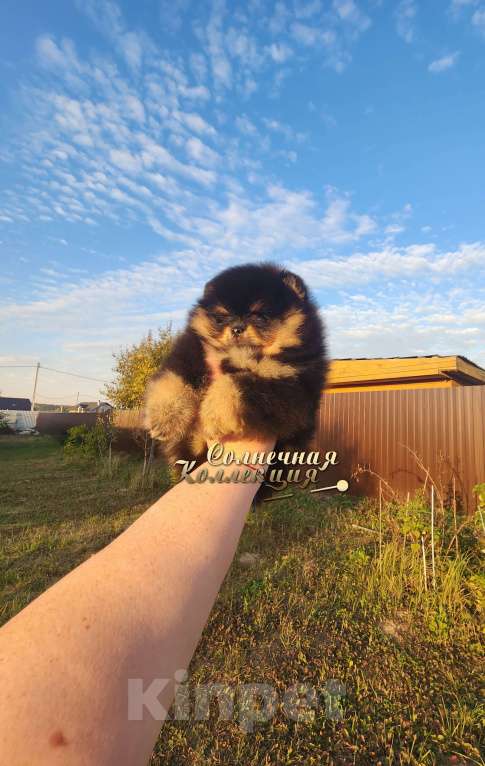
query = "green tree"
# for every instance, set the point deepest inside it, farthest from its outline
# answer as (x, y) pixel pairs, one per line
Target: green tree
(135, 365)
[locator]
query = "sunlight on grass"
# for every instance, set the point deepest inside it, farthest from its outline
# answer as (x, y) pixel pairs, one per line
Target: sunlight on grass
(314, 593)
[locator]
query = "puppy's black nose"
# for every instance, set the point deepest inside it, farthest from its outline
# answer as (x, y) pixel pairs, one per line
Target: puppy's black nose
(237, 329)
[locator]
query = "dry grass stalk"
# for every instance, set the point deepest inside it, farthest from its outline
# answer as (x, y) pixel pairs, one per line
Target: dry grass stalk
(424, 564)
(433, 567)
(457, 544)
(380, 523)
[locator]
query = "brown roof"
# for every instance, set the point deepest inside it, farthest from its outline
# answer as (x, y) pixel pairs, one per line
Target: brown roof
(400, 368)
(418, 356)
(14, 403)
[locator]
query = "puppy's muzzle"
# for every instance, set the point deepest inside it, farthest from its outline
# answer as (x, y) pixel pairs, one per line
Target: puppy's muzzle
(238, 329)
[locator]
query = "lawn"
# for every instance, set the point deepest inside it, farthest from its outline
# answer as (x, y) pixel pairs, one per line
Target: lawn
(312, 598)
(55, 513)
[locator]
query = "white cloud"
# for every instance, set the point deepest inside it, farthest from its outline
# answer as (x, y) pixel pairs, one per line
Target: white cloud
(219, 60)
(196, 123)
(198, 65)
(405, 325)
(135, 107)
(286, 130)
(154, 154)
(104, 13)
(444, 63)
(350, 13)
(196, 93)
(125, 160)
(241, 230)
(394, 228)
(172, 14)
(405, 310)
(129, 138)
(201, 153)
(457, 5)
(306, 10)
(478, 20)
(335, 224)
(61, 59)
(237, 56)
(279, 19)
(48, 52)
(244, 124)
(280, 52)
(305, 34)
(333, 32)
(413, 261)
(405, 16)
(132, 48)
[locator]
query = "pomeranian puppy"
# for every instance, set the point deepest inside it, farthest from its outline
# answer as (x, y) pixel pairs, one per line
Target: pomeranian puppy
(259, 324)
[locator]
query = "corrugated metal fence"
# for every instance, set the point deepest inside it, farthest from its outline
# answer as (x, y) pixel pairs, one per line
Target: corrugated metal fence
(444, 427)
(370, 430)
(54, 423)
(20, 420)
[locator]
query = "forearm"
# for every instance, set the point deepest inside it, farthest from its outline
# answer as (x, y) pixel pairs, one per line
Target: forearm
(134, 610)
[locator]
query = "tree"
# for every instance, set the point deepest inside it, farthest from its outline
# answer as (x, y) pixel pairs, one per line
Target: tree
(135, 365)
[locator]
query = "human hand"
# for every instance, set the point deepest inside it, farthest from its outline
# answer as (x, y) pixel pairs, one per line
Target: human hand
(242, 447)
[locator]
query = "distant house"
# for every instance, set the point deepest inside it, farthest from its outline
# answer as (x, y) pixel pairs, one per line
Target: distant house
(14, 403)
(382, 374)
(100, 407)
(85, 406)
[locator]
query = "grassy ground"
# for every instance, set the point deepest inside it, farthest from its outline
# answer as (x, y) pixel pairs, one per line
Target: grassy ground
(318, 599)
(55, 513)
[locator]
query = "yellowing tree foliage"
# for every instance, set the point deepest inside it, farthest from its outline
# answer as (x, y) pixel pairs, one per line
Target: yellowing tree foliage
(134, 366)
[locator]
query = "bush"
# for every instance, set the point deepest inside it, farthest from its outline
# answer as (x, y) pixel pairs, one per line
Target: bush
(134, 367)
(91, 442)
(4, 426)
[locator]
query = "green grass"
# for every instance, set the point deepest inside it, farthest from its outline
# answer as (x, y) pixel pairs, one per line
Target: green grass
(319, 602)
(55, 513)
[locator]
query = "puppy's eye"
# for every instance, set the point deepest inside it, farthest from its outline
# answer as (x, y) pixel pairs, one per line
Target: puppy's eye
(219, 319)
(260, 318)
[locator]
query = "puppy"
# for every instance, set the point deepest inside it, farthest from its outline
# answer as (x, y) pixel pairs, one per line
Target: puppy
(260, 326)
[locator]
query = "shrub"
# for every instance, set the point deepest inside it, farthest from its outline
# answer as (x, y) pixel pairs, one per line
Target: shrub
(89, 442)
(134, 366)
(4, 426)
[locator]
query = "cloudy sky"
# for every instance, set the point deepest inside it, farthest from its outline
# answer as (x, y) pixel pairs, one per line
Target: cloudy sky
(144, 146)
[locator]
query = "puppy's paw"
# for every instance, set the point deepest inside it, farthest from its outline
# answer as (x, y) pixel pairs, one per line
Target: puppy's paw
(221, 411)
(170, 407)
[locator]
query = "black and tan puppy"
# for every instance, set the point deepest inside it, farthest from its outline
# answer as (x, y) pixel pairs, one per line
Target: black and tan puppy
(259, 324)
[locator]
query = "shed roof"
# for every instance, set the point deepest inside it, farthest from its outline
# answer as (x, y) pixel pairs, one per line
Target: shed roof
(14, 403)
(403, 369)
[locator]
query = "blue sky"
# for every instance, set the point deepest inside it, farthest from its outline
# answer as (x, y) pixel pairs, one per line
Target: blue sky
(144, 146)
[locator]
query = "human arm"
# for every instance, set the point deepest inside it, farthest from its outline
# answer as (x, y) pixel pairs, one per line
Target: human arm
(135, 610)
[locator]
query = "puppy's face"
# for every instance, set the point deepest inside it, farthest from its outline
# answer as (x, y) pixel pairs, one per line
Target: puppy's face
(256, 307)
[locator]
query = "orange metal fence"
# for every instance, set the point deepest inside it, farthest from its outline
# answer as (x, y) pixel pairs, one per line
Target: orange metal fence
(375, 430)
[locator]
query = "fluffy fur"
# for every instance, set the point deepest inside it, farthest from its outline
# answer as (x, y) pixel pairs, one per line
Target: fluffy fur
(260, 325)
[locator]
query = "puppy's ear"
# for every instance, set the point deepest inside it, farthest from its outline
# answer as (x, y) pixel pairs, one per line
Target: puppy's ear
(296, 284)
(208, 289)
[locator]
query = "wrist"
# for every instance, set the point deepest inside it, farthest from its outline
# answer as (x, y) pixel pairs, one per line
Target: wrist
(251, 452)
